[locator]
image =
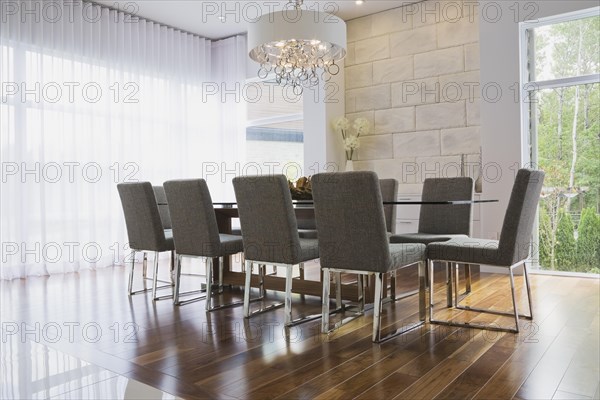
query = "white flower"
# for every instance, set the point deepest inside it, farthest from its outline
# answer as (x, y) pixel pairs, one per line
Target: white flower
(341, 124)
(351, 143)
(362, 126)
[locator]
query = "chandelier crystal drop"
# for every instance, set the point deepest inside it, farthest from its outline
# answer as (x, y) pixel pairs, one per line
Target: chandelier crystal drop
(299, 47)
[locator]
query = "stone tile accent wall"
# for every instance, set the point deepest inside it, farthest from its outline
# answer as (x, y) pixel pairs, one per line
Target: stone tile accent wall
(415, 74)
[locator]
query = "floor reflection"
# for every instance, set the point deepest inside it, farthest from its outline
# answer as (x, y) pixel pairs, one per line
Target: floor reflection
(31, 370)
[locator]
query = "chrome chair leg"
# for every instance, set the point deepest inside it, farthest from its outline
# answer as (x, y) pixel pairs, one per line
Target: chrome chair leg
(361, 294)
(528, 286)
(427, 274)
(289, 321)
(377, 307)
(248, 266)
(422, 291)
(209, 279)
(155, 277)
(301, 271)
(340, 306)
(220, 274)
(325, 300)
(131, 272)
(468, 278)
(288, 294)
(177, 288)
(247, 288)
(209, 287)
(514, 313)
(262, 271)
(456, 281)
(172, 267)
(514, 300)
(378, 303)
(393, 285)
(449, 300)
(145, 265)
(338, 290)
(430, 278)
(177, 281)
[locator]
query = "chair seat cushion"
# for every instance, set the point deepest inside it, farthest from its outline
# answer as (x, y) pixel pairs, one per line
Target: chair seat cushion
(307, 233)
(404, 254)
(307, 250)
(424, 238)
(466, 250)
(231, 244)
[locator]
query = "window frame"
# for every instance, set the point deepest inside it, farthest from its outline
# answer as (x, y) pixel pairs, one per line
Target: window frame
(528, 89)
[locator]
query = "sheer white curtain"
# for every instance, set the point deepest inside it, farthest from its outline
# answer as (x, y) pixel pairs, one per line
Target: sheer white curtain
(92, 97)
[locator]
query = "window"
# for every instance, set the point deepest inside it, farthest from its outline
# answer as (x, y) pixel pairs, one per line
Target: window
(275, 130)
(562, 123)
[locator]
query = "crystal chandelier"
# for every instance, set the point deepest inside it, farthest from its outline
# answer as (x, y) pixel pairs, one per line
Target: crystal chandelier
(298, 46)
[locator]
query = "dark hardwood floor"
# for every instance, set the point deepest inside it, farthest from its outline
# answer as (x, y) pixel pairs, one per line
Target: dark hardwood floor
(192, 354)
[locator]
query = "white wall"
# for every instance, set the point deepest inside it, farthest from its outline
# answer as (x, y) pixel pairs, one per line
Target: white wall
(323, 148)
(501, 120)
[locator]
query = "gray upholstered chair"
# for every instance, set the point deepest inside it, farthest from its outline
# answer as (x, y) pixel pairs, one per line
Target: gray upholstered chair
(165, 218)
(196, 233)
(145, 229)
(389, 193)
(163, 207)
(307, 228)
(353, 239)
(511, 251)
(270, 234)
(440, 223)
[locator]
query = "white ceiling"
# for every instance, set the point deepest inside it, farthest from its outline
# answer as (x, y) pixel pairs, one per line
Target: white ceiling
(202, 17)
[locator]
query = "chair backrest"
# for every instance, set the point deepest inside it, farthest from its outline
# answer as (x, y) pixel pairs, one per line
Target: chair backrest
(163, 207)
(515, 238)
(267, 218)
(350, 221)
(142, 218)
(389, 192)
(195, 229)
(446, 219)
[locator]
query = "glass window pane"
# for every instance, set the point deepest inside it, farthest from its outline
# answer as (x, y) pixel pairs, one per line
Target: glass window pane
(567, 125)
(280, 146)
(566, 49)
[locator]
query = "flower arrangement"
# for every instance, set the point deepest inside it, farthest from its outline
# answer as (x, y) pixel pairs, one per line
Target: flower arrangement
(361, 126)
